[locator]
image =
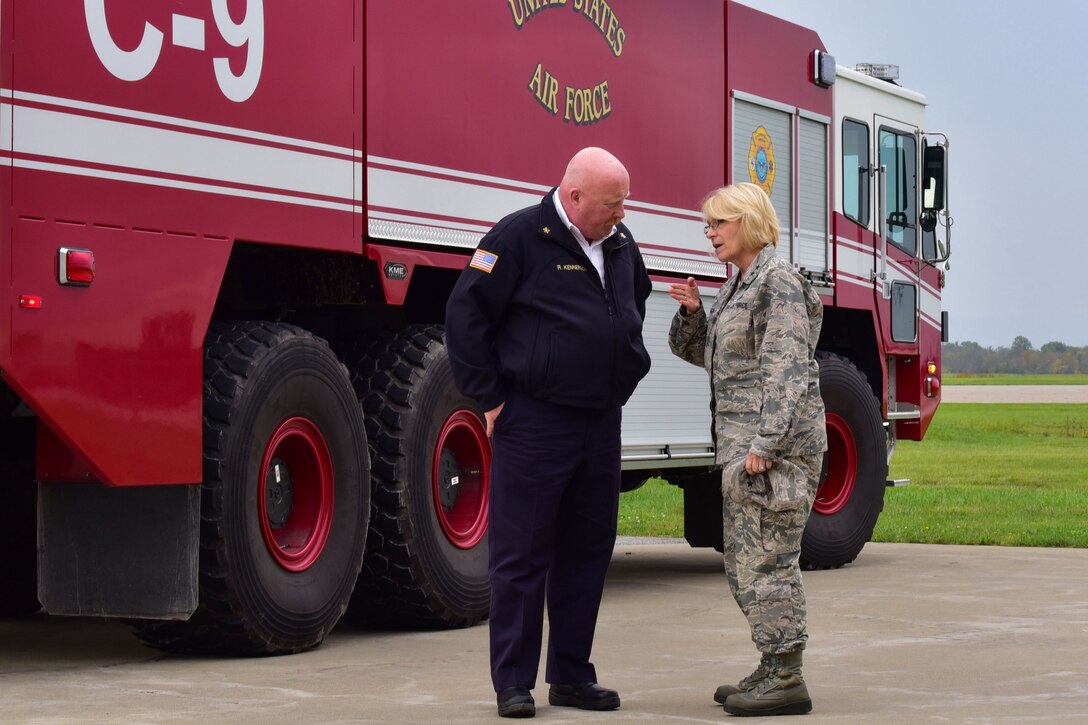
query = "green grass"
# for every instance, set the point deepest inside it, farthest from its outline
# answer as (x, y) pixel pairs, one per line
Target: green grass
(1014, 475)
(656, 509)
(994, 379)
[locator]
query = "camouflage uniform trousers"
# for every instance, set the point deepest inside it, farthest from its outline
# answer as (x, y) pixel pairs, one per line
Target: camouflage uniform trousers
(762, 552)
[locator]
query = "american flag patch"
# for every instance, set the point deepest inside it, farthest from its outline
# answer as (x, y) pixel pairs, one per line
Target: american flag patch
(483, 261)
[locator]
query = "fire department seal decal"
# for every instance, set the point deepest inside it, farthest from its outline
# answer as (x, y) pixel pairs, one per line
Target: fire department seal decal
(761, 160)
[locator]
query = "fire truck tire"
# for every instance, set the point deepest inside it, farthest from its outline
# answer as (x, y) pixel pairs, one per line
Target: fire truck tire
(285, 497)
(851, 493)
(426, 553)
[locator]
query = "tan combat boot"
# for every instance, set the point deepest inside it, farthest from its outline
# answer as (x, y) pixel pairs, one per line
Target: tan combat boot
(746, 684)
(782, 692)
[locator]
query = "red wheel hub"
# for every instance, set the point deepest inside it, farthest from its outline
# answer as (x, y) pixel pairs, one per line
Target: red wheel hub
(461, 474)
(296, 492)
(842, 467)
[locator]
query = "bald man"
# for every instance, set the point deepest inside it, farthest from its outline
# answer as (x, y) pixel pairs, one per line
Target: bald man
(544, 330)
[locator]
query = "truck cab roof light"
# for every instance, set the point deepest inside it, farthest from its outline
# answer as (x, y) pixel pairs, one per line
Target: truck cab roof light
(880, 71)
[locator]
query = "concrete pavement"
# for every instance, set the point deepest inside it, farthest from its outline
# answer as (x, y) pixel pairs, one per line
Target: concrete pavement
(909, 633)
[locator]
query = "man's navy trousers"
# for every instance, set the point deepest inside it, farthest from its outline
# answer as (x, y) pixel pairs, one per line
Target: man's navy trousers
(555, 480)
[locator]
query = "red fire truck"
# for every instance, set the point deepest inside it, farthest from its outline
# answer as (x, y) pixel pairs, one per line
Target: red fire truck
(230, 228)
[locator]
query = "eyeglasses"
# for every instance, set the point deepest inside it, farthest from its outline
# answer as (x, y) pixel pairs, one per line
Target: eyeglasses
(713, 225)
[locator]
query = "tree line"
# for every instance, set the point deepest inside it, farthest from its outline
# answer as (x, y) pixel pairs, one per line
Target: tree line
(1053, 358)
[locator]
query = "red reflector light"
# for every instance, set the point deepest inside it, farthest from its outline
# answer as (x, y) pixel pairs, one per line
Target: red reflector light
(75, 267)
(30, 302)
(933, 387)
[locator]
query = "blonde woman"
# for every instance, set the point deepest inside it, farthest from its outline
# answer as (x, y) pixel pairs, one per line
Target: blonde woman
(758, 343)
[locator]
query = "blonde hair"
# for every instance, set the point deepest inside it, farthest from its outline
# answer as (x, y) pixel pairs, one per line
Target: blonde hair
(750, 204)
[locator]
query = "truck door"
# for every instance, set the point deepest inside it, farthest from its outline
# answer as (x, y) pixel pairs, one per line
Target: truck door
(897, 263)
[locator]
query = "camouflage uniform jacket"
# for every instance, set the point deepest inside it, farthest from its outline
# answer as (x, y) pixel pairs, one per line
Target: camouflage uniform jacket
(764, 379)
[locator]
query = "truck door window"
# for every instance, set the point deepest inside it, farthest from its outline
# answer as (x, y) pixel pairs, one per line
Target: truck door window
(898, 153)
(855, 171)
(904, 312)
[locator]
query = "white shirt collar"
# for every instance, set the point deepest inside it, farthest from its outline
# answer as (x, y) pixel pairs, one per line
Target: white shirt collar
(573, 229)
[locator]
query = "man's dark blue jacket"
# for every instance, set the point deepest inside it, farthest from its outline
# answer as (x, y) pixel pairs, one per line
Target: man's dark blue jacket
(541, 323)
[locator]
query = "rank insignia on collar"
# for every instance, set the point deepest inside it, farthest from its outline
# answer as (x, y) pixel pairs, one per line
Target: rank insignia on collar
(623, 236)
(547, 230)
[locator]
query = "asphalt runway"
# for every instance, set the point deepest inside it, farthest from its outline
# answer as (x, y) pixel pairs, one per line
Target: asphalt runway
(1014, 394)
(909, 634)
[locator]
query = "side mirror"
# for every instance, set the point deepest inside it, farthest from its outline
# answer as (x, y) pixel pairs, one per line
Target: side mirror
(927, 220)
(934, 180)
(934, 186)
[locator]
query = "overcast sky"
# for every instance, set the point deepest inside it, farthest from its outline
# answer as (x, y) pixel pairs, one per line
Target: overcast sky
(1005, 81)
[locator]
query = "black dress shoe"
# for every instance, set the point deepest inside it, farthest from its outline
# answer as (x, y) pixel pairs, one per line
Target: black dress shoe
(516, 702)
(585, 696)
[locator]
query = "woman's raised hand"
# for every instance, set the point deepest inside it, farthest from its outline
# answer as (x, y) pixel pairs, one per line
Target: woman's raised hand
(687, 294)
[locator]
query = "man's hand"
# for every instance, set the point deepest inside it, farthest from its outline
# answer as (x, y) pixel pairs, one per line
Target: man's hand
(490, 417)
